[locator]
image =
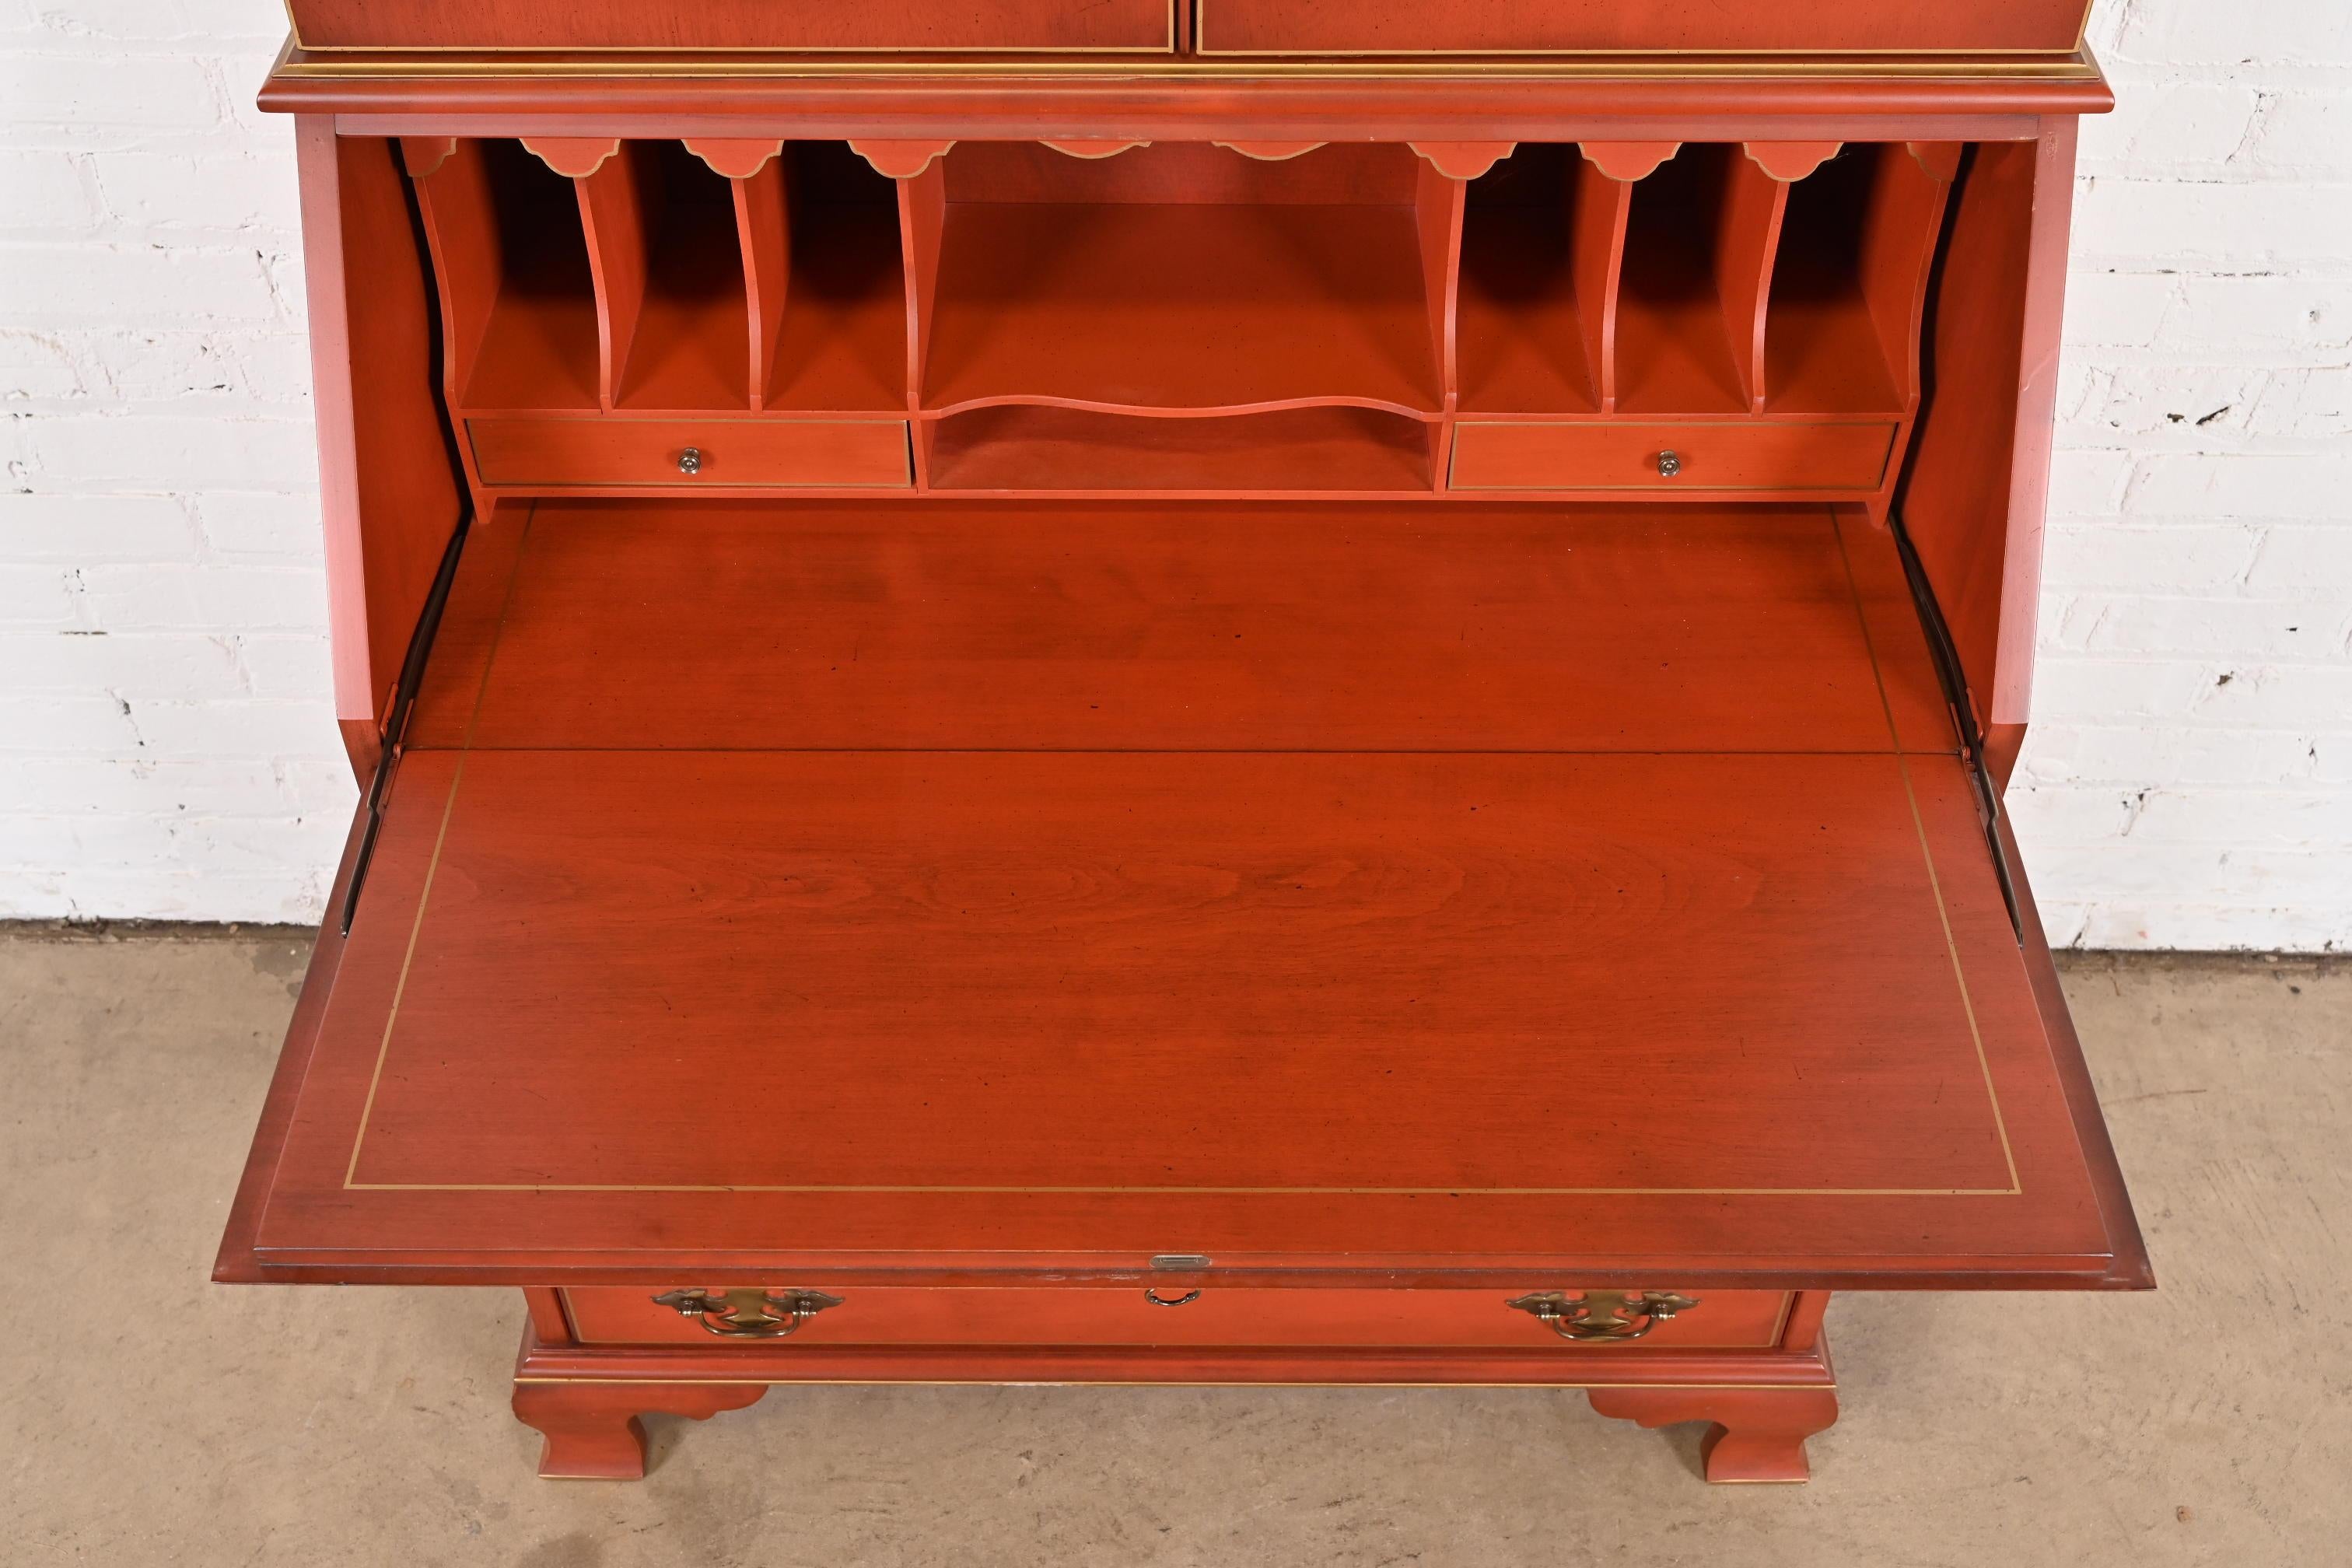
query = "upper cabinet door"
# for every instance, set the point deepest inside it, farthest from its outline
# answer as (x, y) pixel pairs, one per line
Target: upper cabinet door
(816, 26)
(1660, 26)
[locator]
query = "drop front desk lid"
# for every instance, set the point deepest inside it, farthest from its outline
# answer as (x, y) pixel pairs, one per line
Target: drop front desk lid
(1384, 892)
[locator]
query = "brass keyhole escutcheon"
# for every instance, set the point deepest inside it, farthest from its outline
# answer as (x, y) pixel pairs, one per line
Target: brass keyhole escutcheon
(748, 1312)
(1601, 1317)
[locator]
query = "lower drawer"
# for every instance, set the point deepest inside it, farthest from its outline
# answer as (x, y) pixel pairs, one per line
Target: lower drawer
(1124, 1315)
(616, 450)
(1618, 455)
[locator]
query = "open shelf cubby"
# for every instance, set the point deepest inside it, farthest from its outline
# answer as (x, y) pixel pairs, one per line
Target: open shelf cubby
(662, 232)
(1697, 241)
(1314, 450)
(1183, 276)
(836, 331)
(1542, 233)
(1709, 284)
(652, 283)
(1842, 330)
(1191, 317)
(518, 295)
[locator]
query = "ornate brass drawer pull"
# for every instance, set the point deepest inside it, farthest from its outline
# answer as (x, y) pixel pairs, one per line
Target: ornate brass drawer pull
(1157, 1299)
(1601, 1317)
(747, 1313)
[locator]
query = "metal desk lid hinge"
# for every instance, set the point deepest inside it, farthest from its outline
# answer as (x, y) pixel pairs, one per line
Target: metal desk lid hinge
(1953, 679)
(404, 703)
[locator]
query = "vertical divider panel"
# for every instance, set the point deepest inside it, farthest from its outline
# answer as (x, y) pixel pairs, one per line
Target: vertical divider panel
(612, 202)
(1598, 234)
(756, 172)
(1899, 230)
(612, 214)
(1597, 205)
(1440, 198)
(1753, 204)
(1754, 200)
(1779, 164)
(763, 225)
(461, 231)
(922, 223)
(1437, 211)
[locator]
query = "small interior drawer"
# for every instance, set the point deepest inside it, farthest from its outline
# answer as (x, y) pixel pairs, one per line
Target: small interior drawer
(1814, 455)
(727, 453)
(1126, 1315)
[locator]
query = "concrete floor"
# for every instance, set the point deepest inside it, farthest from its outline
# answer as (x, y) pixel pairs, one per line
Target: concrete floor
(154, 1417)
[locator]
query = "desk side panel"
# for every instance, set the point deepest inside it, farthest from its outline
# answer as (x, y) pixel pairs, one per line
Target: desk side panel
(1976, 493)
(388, 490)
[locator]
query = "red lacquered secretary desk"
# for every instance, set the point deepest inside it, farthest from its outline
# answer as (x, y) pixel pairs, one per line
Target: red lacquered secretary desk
(1133, 691)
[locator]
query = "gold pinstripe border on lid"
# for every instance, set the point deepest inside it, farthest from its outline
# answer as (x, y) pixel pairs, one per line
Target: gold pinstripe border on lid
(1934, 888)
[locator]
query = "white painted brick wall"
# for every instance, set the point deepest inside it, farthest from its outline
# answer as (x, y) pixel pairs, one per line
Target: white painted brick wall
(2188, 779)
(166, 741)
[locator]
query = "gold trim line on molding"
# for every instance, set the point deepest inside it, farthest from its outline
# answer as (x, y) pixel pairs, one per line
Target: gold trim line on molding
(2064, 69)
(1200, 48)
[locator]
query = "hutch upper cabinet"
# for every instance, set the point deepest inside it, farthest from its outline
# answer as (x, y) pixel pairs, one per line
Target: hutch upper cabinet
(1243, 691)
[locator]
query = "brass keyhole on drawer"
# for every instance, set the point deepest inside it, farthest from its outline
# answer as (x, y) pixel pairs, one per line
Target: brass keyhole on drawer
(1601, 1317)
(751, 1313)
(691, 461)
(1157, 1299)
(1669, 465)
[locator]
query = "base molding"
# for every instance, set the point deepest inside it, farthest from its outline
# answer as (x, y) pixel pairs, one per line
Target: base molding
(1763, 1404)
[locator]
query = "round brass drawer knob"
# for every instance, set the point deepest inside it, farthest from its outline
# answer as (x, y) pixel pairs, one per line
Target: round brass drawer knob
(691, 461)
(1669, 465)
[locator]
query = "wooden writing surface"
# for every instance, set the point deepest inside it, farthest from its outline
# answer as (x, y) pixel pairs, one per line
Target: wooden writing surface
(1312, 1007)
(1288, 941)
(863, 624)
